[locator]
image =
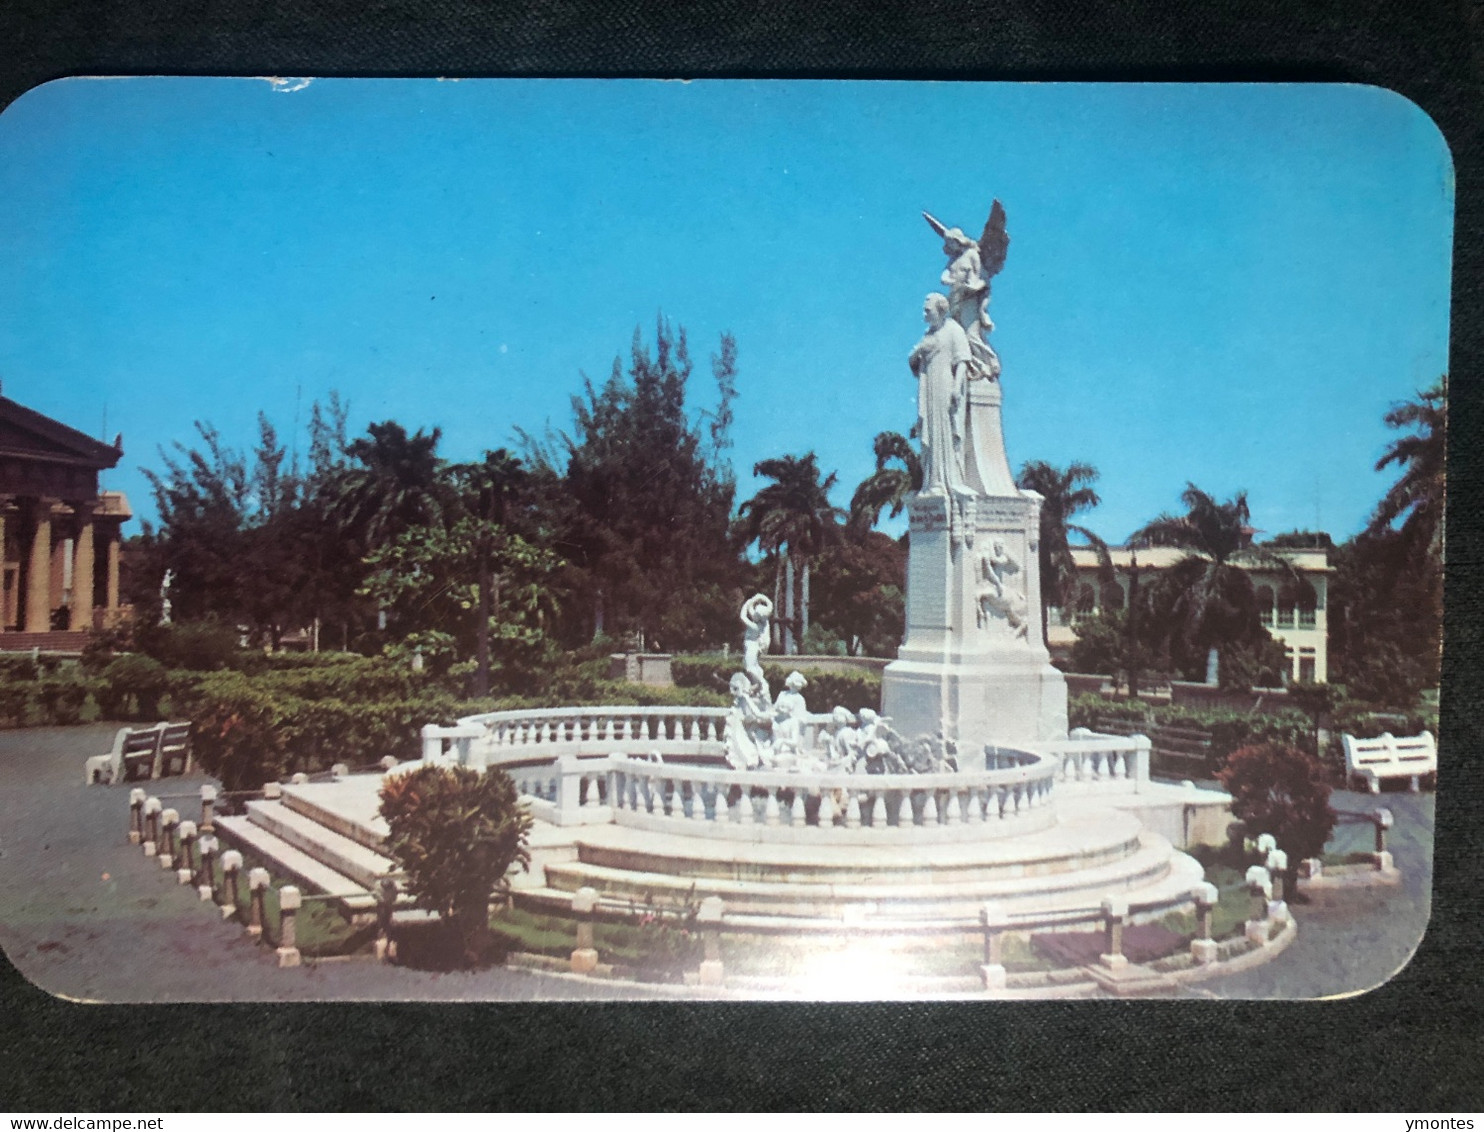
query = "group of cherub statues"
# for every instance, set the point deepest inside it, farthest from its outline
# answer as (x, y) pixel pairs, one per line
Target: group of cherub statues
(776, 734)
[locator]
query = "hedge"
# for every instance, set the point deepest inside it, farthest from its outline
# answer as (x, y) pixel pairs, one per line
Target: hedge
(825, 690)
(1229, 729)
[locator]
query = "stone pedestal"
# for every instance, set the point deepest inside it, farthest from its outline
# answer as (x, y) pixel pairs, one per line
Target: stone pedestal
(1203, 951)
(973, 663)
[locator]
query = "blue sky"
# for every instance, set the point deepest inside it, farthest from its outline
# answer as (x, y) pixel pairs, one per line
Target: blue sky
(1226, 284)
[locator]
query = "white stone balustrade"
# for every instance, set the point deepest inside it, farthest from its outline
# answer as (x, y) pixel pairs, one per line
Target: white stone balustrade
(1093, 762)
(761, 805)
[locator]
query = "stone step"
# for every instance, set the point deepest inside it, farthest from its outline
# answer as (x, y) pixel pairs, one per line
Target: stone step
(906, 866)
(349, 858)
(1150, 864)
(882, 918)
(349, 807)
(285, 858)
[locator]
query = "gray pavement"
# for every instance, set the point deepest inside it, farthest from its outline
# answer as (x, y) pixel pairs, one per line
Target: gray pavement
(87, 917)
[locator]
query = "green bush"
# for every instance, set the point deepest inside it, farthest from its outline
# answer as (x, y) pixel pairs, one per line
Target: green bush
(62, 697)
(1283, 791)
(131, 687)
(456, 832)
(203, 646)
(1229, 729)
(18, 669)
(15, 702)
(826, 690)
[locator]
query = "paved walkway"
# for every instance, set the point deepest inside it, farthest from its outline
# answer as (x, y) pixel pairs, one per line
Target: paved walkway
(87, 917)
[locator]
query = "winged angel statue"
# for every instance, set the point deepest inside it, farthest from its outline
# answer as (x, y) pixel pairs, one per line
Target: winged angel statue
(971, 265)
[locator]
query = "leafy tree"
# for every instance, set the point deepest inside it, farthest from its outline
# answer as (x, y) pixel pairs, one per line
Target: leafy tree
(792, 520)
(888, 486)
(1064, 494)
(859, 591)
(1206, 604)
(457, 832)
(1284, 791)
(640, 496)
(439, 583)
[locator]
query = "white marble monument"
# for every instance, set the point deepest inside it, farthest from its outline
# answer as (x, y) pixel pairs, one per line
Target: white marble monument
(973, 664)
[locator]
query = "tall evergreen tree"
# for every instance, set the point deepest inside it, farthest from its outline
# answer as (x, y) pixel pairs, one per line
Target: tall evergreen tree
(644, 501)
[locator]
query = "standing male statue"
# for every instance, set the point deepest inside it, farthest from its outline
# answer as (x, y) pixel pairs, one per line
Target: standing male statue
(941, 363)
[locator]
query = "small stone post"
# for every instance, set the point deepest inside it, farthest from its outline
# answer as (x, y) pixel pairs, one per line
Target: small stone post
(386, 904)
(231, 867)
(1203, 947)
(288, 937)
(1115, 913)
(994, 921)
(1277, 864)
(136, 816)
(569, 791)
(339, 770)
(169, 821)
(388, 762)
(206, 879)
(709, 920)
(185, 871)
(152, 826)
(585, 955)
(208, 804)
(1143, 748)
(299, 779)
(272, 791)
(1260, 889)
(1383, 821)
(257, 885)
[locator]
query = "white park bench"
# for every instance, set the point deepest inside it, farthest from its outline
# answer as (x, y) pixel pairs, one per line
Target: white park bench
(155, 750)
(1386, 756)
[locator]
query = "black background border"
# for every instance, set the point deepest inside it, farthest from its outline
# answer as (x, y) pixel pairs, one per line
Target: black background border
(1415, 1044)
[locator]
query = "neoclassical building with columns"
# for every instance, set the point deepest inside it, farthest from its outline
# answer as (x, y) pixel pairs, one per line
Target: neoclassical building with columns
(60, 534)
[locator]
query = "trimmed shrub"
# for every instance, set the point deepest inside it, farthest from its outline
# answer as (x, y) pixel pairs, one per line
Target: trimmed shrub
(62, 697)
(1281, 790)
(203, 646)
(456, 832)
(826, 690)
(132, 679)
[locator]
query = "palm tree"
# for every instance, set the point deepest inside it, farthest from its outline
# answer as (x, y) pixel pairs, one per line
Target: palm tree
(887, 486)
(792, 519)
(398, 485)
(1417, 497)
(1063, 495)
(1207, 599)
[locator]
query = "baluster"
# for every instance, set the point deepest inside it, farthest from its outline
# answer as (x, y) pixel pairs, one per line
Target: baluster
(697, 803)
(746, 815)
(905, 816)
(826, 809)
(772, 813)
(853, 810)
(878, 811)
(594, 792)
(977, 812)
(996, 803)
(796, 816)
(719, 805)
(930, 808)
(953, 813)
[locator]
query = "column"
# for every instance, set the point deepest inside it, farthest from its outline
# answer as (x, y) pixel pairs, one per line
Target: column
(39, 570)
(82, 569)
(111, 598)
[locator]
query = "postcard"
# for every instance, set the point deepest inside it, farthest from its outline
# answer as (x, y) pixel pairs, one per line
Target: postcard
(553, 539)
